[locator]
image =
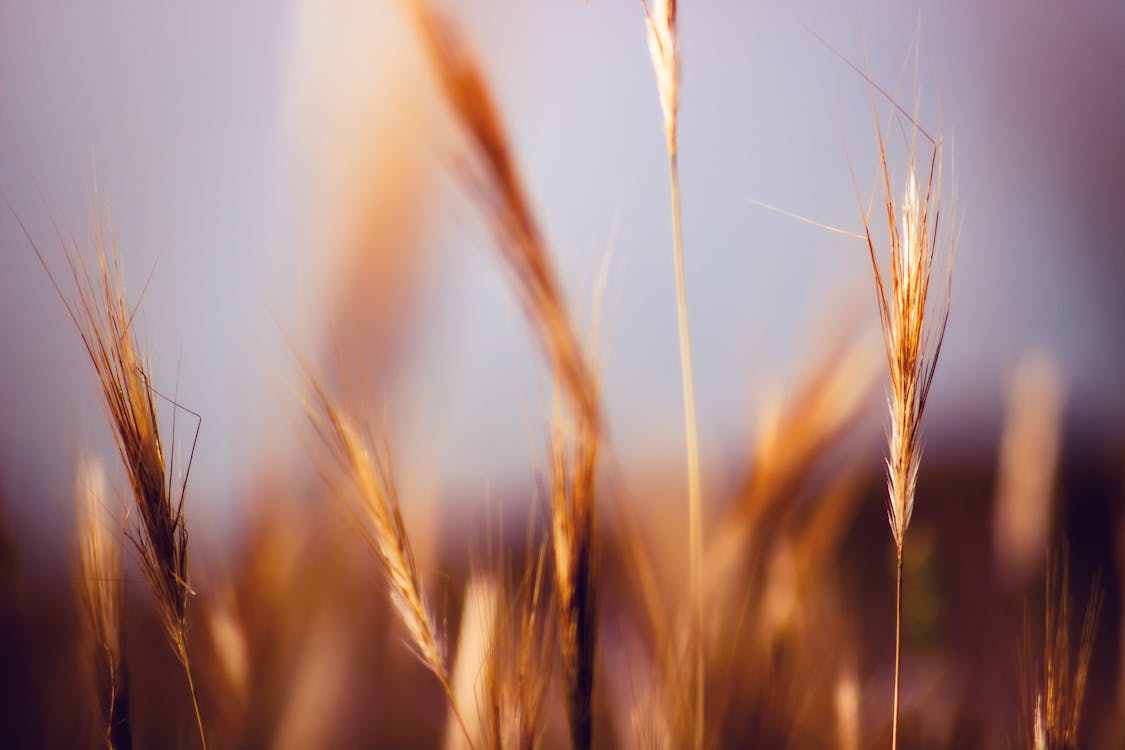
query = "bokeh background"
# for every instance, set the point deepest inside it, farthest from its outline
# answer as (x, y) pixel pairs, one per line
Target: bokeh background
(280, 173)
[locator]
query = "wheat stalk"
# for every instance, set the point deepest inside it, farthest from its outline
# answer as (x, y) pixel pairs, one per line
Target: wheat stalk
(663, 44)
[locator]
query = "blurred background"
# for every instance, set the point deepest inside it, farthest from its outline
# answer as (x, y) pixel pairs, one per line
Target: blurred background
(280, 179)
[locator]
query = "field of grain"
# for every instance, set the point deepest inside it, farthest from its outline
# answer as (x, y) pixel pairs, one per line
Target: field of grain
(610, 375)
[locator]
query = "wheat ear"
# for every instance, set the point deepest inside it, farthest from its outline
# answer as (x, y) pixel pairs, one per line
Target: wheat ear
(374, 507)
(913, 331)
(104, 321)
(495, 183)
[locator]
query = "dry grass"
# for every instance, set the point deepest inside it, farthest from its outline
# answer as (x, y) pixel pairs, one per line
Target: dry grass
(573, 471)
(373, 505)
(495, 183)
(1054, 689)
(602, 630)
(520, 658)
(104, 321)
(663, 45)
(913, 332)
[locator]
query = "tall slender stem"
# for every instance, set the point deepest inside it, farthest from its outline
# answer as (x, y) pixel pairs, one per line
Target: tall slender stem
(691, 434)
(444, 680)
(898, 649)
(182, 648)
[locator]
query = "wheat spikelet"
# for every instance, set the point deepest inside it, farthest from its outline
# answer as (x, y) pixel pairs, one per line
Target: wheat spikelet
(374, 507)
(913, 332)
(128, 394)
(663, 46)
(100, 595)
(496, 185)
(913, 328)
(1054, 691)
(518, 664)
(104, 322)
(573, 469)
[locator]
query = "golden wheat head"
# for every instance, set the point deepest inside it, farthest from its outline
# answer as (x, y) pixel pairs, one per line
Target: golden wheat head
(913, 325)
(663, 46)
(496, 185)
(104, 322)
(374, 507)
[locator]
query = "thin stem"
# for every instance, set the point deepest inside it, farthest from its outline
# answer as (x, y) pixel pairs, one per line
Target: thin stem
(444, 680)
(898, 649)
(109, 733)
(182, 648)
(691, 434)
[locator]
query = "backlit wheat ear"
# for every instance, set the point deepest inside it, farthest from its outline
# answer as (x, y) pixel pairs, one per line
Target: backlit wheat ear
(913, 331)
(912, 335)
(100, 596)
(663, 47)
(373, 504)
(495, 183)
(913, 325)
(104, 321)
